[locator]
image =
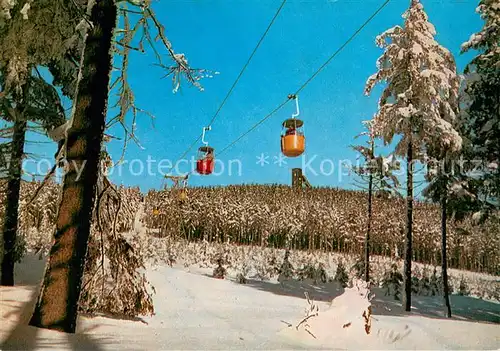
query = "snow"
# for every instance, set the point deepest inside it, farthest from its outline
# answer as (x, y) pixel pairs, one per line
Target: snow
(474, 39)
(407, 112)
(25, 9)
(195, 311)
(417, 49)
(493, 166)
(5, 7)
(420, 65)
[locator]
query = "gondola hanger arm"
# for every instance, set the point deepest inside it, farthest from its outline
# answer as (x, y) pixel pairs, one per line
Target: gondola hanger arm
(205, 129)
(296, 98)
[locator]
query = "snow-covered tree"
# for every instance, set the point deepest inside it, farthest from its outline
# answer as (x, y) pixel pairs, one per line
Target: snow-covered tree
(377, 173)
(31, 34)
(419, 102)
(481, 112)
(57, 305)
(34, 33)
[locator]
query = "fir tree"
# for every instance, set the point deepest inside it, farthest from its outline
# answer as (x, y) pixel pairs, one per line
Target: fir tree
(341, 275)
(57, 306)
(286, 270)
(31, 34)
(82, 136)
(392, 282)
(418, 102)
(38, 102)
(425, 282)
(463, 288)
(219, 271)
(434, 283)
(481, 113)
(441, 189)
(415, 281)
(376, 172)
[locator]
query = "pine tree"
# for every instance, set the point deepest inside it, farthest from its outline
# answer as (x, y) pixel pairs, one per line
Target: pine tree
(10, 223)
(58, 302)
(219, 271)
(37, 102)
(376, 172)
(31, 34)
(341, 275)
(82, 136)
(286, 270)
(452, 185)
(481, 113)
(434, 283)
(442, 189)
(418, 102)
(391, 282)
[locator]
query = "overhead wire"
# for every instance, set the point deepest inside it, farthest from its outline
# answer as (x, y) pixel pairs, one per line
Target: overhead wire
(280, 106)
(233, 85)
(248, 61)
(351, 38)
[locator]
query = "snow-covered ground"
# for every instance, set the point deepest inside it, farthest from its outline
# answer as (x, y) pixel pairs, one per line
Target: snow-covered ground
(195, 311)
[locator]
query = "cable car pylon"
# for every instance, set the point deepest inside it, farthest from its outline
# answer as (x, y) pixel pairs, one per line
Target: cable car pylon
(182, 188)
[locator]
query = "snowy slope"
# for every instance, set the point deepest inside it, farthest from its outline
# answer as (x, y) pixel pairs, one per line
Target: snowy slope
(194, 311)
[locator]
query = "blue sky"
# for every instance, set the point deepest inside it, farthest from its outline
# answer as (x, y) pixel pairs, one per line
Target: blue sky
(220, 35)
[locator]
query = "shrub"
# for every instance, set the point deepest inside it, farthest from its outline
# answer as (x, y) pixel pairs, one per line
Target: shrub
(341, 275)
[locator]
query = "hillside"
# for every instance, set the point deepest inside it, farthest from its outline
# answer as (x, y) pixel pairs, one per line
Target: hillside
(319, 218)
(326, 219)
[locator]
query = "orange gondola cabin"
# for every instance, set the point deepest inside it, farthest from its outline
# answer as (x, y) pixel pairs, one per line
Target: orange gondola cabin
(293, 141)
(205, 161)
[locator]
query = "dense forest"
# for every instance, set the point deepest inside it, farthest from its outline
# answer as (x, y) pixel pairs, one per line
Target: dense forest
(319, 219)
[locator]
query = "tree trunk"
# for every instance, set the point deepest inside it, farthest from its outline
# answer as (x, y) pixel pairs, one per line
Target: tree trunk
(12, 199)
(409, 225)
(368, 229)
(57, 306)
(443, 250)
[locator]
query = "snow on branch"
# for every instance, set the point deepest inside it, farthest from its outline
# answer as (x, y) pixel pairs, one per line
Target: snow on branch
(487, 37)
(420, 97)
(141, 28)
(151, 28)
(347, 323)
(5, 7)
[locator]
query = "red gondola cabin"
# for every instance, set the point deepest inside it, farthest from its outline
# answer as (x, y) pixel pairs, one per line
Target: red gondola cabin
(205, 162)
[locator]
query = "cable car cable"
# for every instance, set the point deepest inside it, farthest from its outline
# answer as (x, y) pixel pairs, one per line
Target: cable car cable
(253, 127)
(351, 38)
(248, 62)
(235, 82)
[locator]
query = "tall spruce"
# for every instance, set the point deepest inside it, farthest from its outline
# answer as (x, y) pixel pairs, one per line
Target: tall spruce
(481, 113)
(24, 95)
(82, 137)
(14, 172)
(58, 302)
(441, 189)
(38, 103)
(375, 176)
(417, 103)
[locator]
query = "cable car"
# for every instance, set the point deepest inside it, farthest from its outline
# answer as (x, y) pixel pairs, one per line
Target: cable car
(183, 194)
(293, 141)
(183, 190)
(205, 161)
